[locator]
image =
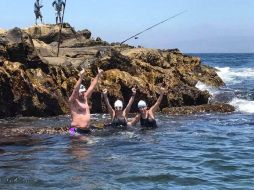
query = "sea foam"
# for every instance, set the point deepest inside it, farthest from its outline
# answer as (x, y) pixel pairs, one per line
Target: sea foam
(230, 75)
(241, 105)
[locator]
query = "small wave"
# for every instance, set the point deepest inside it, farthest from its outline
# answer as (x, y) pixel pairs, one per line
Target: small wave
(202, 86)
(223, 95)
(234, 75)
(242, 105)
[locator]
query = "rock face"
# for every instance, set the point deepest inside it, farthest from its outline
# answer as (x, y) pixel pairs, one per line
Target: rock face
(33, 82)
(50, 33)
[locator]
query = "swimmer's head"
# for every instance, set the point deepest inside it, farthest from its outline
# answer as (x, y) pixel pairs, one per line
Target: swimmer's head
(118, 105)
(82, 89)
(142, 104)
(142, 107)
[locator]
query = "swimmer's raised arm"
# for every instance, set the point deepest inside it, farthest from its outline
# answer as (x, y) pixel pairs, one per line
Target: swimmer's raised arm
(93, 83)
(77, 86)
(109, 108)
(155, 107)
(128, 107)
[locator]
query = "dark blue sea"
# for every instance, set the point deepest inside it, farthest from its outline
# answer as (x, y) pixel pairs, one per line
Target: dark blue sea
(203, 151)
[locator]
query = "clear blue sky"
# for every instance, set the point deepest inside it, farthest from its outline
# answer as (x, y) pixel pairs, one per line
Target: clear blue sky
(208, 26)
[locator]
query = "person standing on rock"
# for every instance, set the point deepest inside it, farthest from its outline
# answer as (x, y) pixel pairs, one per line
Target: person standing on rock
(118, 114)
(37, 11)
(59, 6)
(147, 116)
(80, 110)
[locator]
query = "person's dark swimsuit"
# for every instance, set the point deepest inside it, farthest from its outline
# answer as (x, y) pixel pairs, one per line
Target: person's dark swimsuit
(118, 123)
(148, 123)
(80, 131)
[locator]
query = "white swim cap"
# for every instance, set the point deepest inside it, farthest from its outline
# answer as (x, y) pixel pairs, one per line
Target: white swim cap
(118, 103)
(82, 88)
(142, 104)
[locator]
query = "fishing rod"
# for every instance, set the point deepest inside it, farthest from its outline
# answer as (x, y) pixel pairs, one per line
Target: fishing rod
(135, 36)
(60, 31)
(41, 13)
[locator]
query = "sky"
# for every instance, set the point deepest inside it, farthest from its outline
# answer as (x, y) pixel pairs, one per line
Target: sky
(208, 26)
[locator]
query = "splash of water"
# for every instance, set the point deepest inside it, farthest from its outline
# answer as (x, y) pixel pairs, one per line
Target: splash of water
(243, 105)
(230, 75)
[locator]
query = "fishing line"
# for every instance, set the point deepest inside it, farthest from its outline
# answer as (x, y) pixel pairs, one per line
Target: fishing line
(149, 28)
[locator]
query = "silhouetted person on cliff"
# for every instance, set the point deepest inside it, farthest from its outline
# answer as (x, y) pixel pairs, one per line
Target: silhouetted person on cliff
(80, 110)
(59, 6)
(147, 116)
(37, 11)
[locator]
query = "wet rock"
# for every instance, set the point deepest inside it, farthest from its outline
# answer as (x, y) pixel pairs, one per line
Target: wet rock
(208, 75)
(32, 91)
(18, 140)
(206, 108)
(222, 96)
(1, 151)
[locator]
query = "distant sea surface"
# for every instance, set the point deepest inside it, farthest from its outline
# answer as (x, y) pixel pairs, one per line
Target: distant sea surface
(203, 151)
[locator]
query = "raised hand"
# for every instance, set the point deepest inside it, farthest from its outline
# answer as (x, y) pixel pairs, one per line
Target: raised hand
(82, 72)
(134, 91)
(100, 72)
(162, 90)
(105, 91)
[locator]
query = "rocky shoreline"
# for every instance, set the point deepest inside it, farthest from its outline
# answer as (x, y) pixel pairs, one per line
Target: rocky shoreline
(34, 82)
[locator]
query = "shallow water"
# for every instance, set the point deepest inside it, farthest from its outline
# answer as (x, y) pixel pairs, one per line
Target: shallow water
(207, 151)
(199, 152)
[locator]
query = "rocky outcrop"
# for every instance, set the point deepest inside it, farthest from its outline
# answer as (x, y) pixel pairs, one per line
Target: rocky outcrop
(69, 37)
(206, 108)
(50, 33)
(28, 84)
(33, 82)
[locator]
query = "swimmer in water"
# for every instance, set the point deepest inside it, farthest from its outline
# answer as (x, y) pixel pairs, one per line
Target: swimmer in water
(147, 116)
(118, 114)
(80, 110)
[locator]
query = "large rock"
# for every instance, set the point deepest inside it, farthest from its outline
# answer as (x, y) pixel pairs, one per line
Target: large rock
(29, 91)
(148, 69)
(50, 33)
(17, 46)
(35, 83)
(85, 33)
(28, 85)
(44, 49)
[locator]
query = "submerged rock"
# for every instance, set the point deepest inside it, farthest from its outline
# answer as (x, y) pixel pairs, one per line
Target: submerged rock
(206, 108)
(223, 96)
(35, 83)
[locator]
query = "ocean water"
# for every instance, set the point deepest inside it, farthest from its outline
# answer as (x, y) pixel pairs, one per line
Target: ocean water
(203, 151)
